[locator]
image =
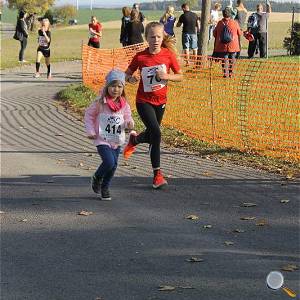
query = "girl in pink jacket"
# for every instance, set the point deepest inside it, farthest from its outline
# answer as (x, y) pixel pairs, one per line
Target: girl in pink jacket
(105, 122)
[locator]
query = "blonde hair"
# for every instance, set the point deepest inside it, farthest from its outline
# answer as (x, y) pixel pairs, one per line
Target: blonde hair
(217, 6)
(126, 11)
(46, 23)
(134, 16)
(168, 41)
(169, 13)
(105, 93)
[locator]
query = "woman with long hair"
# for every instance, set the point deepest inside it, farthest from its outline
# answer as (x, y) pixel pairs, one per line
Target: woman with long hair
(124, 36)
(168, 19)
(22, 29)
(135, 29)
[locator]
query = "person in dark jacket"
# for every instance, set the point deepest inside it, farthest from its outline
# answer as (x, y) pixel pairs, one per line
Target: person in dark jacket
(135, 29)
(124, 27)
(22, 28)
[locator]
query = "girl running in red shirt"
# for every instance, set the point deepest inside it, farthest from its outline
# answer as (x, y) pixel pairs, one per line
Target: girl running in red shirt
(154, 64)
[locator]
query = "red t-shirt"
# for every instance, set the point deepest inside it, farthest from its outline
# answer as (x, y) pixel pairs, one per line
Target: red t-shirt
(151, 89)
(97, 27)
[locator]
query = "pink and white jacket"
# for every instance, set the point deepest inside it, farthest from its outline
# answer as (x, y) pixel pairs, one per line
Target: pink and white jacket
(92, 120)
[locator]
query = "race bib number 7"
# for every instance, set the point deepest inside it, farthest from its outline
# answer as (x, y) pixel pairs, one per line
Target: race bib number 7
(151, 82)
(112, 128)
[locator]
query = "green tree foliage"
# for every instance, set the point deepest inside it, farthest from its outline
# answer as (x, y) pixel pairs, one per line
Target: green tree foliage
(65, 12)
(292, 43)
(191, 3)
(31, 6)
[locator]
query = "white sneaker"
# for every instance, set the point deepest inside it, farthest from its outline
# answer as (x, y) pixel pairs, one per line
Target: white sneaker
(37, 75)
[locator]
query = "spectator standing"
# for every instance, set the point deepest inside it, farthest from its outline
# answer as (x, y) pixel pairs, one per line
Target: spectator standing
(95, 31)
(226, 49)
(124, 37)
(191, 25)
(240, 17)
(257, 25)
(136, 6)
(214, 19)
(169, 19)
(44, 40)
(135, 29)
(22, 29)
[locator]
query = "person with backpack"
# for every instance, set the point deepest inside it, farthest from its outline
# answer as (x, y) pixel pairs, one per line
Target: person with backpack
(257, 26)
(226, 35)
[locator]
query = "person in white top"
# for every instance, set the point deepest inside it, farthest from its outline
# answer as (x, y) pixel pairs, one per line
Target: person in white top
(214, 19)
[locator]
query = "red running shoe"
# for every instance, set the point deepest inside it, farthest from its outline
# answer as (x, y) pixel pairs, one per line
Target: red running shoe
(130, 147)
(159, 180)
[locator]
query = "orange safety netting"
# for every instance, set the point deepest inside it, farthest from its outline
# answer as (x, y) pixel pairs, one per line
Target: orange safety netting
(257, 109)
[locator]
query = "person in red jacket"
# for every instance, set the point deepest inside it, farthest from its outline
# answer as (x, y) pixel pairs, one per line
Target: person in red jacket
(227, 41)
(95, 33)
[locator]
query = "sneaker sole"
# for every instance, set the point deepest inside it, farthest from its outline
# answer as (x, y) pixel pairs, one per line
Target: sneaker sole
(159, 186)
(105, 199)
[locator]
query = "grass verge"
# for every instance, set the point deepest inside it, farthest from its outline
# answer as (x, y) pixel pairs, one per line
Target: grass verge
(78, 97)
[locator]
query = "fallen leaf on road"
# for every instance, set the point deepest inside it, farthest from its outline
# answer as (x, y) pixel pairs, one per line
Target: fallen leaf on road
(228, 243)
(290, 268)
(191, 217)
(248, 218)
(166, 288)
(261, 223)
(248, 204)
(284, 201)
(24, 220)
(207, 226)
(85, 213)
(58, 134)
(194, 259)
(238, 230)
(80, 164)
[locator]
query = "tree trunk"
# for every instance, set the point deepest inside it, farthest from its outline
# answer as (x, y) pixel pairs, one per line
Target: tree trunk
(203, 35)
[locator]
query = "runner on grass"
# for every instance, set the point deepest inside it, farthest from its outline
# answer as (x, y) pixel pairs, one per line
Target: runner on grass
(154, 64)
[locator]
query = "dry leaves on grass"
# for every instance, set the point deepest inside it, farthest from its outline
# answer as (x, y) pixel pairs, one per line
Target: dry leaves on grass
(194, 259)
(85, 213)
(191, 217)
(290, 268)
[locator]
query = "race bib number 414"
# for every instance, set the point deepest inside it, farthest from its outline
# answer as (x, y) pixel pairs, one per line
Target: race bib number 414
(151, 82)
(112, 128)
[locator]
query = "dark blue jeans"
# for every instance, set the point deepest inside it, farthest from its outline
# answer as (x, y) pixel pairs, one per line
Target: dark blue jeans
(109, 164)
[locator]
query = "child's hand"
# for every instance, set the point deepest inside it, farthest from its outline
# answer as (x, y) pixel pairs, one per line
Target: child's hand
(132, 79)
(162, 75)
(92, 137)
(129, 125)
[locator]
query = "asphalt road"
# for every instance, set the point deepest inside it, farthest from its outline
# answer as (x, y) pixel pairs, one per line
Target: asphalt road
(140, 240)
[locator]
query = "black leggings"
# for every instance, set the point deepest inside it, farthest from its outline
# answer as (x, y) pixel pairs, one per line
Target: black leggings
(151, 116)
(23, 47)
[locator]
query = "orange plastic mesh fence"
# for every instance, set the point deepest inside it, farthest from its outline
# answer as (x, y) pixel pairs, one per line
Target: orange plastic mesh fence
(256, 109)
